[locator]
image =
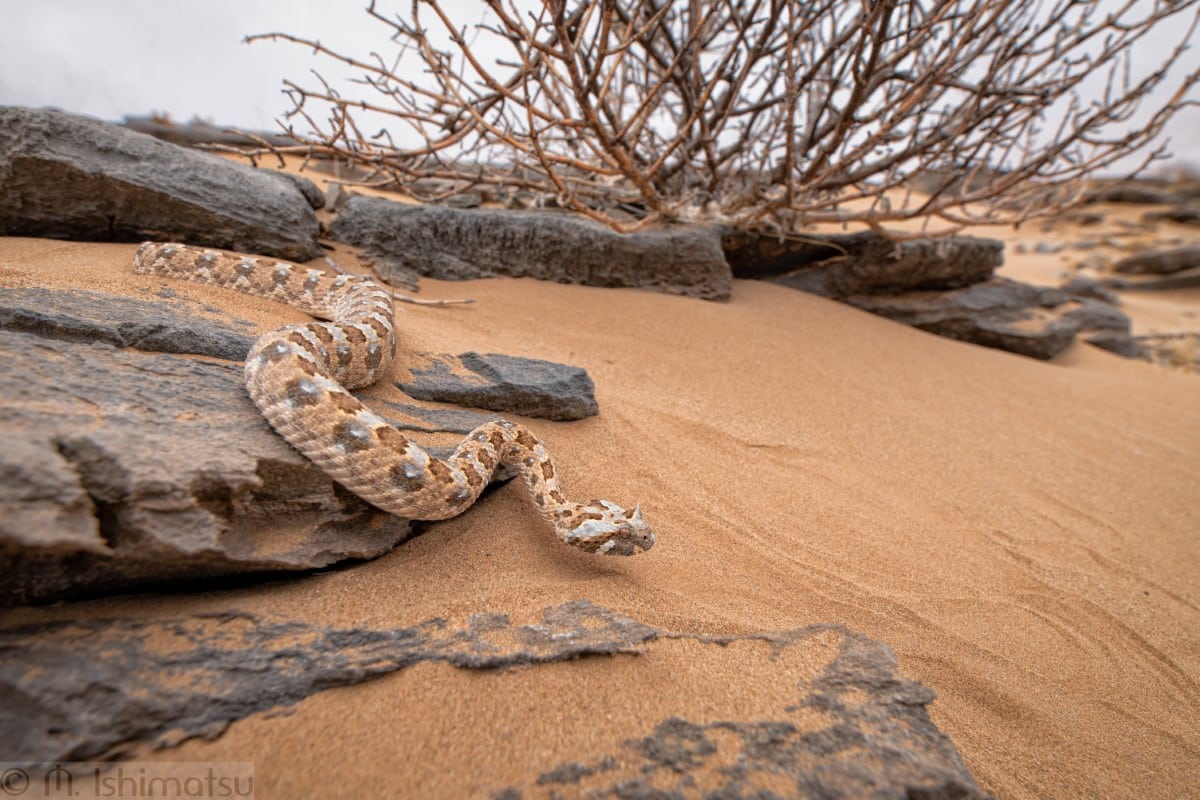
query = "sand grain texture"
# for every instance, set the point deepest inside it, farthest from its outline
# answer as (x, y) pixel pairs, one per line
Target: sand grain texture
(1022, 534)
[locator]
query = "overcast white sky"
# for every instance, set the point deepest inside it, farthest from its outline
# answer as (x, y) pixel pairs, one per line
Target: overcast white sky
(112, 58)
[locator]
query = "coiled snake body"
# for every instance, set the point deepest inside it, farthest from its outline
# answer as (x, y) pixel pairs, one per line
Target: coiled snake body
(298, 377)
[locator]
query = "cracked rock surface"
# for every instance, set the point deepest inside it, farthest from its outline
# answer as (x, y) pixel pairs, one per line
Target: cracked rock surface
(68, 176)
(405, 241)
(854, 728)
(124, 468)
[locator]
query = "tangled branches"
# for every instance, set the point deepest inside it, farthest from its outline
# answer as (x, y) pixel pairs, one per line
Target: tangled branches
(756, 112)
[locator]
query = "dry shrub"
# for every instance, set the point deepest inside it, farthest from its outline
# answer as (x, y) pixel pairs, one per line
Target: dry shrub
(754, 112)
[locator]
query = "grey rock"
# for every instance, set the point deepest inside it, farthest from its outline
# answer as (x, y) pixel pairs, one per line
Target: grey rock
(165, 681)
(154, 468)
(435, 420)
(1132, 192)
(1180, 215)
(1085, 218)
(525, 386)
(1000, 313)
(1118, 342)
(1160, 262)
(840, 265)
(1185, 279)
(1084, 286)
(83, 316)
(73, 177)
(312, 193)
(122, 469)
(878, 742)
(405, 241)
(1047, 248)
(95, 688)
(465, 200)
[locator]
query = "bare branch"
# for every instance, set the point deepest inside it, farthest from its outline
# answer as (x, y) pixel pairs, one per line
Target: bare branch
(754, 112)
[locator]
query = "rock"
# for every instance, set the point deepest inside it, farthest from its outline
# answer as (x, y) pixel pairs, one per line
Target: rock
(312, 193)
(525, 386)
(94, 317)
(1133, 192)
(1084, 286)
(1180, 215)
(124, 469)
(1000, 313)
(1047, 248)
(1160, 262)
(464, 200)
(1187, 279)
(154, 468)
(1122, 344)
(1085, 218)
(840, 265)
(204, 672)
(875, 740)
(853, 728)
(71, 177)
(405, 241)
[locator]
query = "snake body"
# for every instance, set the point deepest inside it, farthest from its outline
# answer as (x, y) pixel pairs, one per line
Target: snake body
(299, 377)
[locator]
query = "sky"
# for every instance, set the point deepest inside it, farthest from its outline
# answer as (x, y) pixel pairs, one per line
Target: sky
(113, 58)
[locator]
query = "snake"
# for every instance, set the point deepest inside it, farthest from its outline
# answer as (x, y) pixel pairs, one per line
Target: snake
(300, 377)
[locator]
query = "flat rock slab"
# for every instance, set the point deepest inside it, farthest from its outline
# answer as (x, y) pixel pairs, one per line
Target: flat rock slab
(126, 468)
(405, 241)
(1184, 279)
(165, 681)
(526, 386)
(944, 286)
(1180, 215)
(1001, 313)
(72, 177)
(1160, 262)
(96, 317)
(840, 265)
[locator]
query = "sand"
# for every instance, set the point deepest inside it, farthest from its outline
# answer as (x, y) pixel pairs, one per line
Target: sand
(1024, 535)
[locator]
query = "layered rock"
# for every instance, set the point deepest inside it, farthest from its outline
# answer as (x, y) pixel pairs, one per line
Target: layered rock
(944, 286)
(72, 177)
(124, 468)
(406, 241)
(854, 727)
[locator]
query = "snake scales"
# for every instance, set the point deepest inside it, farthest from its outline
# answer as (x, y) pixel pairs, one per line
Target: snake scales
(298, 376)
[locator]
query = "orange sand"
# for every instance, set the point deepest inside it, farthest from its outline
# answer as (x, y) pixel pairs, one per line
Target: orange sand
(1024, 535)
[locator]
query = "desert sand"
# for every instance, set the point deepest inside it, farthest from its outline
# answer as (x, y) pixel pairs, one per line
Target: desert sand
(1022, 534)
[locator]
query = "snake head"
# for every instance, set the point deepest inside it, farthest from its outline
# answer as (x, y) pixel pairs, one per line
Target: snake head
(606, 528)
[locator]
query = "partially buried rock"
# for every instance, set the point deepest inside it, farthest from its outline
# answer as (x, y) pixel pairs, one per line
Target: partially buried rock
(124, 469)
(406, 241)
(526, 386)
(839, 265)
(72, 177)
(1160, 262)
(1180, 215)
(851, 726)
(1000, 313)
